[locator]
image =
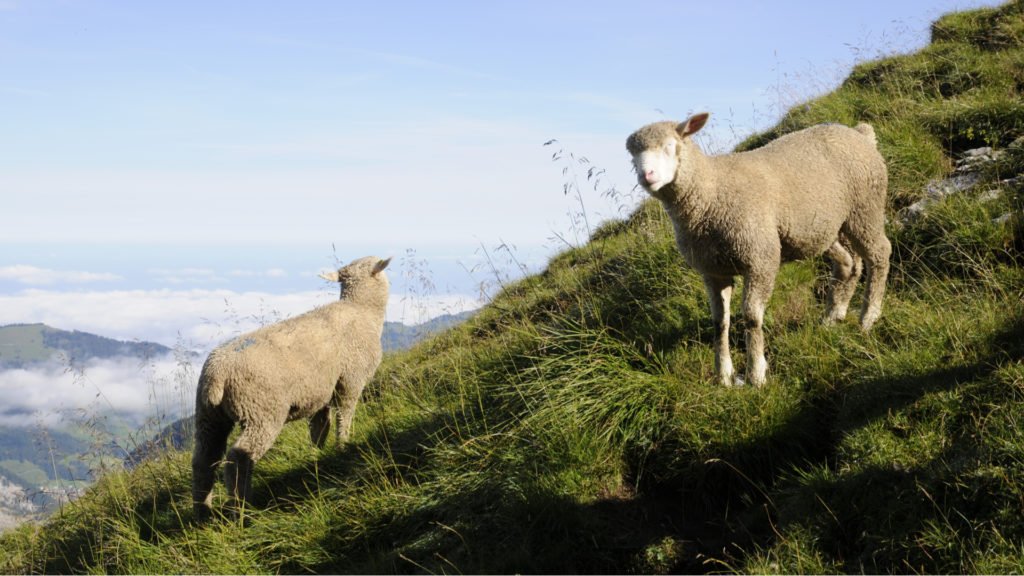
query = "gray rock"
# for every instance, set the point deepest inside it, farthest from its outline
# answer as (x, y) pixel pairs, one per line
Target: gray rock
(976, 159)
(939, 189)
(990, 195)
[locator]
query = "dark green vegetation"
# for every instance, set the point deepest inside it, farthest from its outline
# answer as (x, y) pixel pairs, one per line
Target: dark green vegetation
(33, 458)
(23, 345)
(572, 425)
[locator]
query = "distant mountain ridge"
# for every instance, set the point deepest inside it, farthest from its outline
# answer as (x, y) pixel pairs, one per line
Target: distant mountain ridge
(25, 345)
(28, 345)
(398, 336)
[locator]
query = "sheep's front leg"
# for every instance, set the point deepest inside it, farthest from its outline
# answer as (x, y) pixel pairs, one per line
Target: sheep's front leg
(720, 295)
(757, 289)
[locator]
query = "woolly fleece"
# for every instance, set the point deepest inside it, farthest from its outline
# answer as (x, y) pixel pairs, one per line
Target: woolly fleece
(819, 190)
(297, 368)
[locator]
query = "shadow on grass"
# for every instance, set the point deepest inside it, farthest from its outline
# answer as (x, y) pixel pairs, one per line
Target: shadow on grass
(687, 512)
(504, 526)
(733, 492)
(899, 519)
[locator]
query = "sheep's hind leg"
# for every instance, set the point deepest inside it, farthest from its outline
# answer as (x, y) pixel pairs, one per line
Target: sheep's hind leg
(252, 444)
(756, 292)
(872, 245)
(720, 295)
(877, 259)
(846, 269)
(344, 411)
(319, 426)
(211, 438)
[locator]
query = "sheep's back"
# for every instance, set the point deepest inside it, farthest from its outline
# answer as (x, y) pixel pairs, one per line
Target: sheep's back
(828, 161)
(294, 364)
(802, 187)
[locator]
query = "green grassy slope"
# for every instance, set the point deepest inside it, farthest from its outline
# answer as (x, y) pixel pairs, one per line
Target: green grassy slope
(573, 426)
(23, 343)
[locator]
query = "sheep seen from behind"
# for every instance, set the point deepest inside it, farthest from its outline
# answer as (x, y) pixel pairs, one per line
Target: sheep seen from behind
(819, 190)
(302, 367)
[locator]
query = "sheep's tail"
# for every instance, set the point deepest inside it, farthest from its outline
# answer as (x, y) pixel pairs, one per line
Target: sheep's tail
(867, 130)
(211, 388)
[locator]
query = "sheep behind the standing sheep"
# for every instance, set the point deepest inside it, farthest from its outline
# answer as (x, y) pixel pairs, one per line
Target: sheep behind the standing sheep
(297, 368)
(819, 190)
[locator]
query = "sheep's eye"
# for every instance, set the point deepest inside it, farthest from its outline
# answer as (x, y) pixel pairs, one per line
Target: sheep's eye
(670, 147)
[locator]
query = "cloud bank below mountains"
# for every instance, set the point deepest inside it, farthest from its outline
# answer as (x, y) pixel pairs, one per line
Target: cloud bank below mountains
(55, 395)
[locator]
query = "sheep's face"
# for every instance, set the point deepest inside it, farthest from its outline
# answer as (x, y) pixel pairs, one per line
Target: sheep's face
(364, 274)
(656, 165)
(657, 150)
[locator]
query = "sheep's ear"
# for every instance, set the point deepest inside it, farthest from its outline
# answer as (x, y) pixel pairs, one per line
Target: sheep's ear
(331, 276)
(380, 266)
(692, 124)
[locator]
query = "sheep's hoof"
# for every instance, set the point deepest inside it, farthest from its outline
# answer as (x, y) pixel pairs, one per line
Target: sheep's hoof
(866, 327)
(831, 319)
(756, 382)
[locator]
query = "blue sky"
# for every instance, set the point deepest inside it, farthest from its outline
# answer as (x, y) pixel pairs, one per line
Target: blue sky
(161, 153)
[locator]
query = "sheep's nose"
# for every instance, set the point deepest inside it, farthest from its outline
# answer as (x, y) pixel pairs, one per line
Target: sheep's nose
(649, 176)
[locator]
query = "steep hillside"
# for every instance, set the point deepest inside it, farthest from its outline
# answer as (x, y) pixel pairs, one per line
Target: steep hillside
(573, 426)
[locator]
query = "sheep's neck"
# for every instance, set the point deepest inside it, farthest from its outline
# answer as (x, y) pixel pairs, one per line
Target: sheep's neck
(372, 303)
(688, 196)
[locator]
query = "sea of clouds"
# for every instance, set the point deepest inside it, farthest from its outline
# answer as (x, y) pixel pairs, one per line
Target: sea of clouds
(57, 394)
(191, 321)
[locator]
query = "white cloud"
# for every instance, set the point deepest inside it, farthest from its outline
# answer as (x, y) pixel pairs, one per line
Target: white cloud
(200, 318)
(53, 395)
(35, 276)
(186, 275)
(268, 273)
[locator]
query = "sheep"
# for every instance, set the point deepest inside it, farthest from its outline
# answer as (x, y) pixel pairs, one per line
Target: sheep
(819, 190)
(297, 368)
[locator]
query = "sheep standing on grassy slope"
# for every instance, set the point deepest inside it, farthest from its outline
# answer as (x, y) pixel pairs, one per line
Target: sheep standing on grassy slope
(298, 368)
(819, 190)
